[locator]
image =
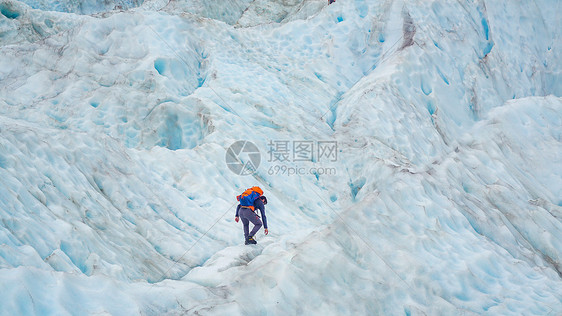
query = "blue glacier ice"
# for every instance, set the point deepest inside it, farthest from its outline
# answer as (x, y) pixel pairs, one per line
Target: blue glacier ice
(411, 153)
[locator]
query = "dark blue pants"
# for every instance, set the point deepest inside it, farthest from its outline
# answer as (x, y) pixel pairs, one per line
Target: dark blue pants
(247, 216)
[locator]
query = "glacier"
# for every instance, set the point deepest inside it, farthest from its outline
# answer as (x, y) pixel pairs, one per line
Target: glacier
(441, 193)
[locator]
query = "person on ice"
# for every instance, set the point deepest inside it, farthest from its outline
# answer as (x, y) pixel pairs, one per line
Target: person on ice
(251, 200)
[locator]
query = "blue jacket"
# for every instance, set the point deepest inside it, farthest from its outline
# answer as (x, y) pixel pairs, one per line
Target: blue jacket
(258, 204)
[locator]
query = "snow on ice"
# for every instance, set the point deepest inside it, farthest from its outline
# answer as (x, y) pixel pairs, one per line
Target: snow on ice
(442, 195)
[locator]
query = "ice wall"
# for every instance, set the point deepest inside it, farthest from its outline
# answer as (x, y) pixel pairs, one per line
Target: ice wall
(116, 197)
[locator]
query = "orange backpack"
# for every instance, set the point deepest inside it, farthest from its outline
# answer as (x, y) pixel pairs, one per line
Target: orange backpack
(248, 197)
